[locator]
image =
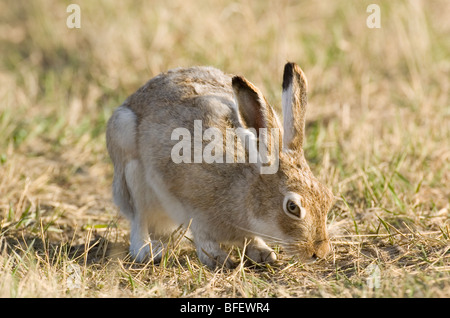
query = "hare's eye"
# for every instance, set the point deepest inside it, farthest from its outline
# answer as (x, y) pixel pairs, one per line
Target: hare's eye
(293, 208)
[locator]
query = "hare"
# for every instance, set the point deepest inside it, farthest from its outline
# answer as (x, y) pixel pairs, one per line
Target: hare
(221, 202)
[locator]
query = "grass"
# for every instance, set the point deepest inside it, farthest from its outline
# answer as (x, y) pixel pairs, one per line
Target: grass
(378, 135)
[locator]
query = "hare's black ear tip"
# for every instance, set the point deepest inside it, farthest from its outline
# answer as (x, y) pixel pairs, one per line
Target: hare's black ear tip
(290, 69)
(289, 65)
(240, 83)
(237, 81)
(288, 74)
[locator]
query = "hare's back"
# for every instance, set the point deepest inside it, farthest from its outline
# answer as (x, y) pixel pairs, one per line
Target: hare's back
(184, 94)
(175, 107)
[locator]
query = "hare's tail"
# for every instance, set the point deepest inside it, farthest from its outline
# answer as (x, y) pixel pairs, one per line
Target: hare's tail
(121, 144)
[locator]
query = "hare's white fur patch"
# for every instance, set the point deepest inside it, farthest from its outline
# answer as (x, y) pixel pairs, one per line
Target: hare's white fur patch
(126, 129)
(259, 227)
(288, 116)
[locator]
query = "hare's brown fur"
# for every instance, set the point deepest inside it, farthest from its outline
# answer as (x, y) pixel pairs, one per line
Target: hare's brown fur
(222, 202)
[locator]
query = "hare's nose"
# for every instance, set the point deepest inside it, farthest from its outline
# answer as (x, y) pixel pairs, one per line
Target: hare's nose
(321, 249)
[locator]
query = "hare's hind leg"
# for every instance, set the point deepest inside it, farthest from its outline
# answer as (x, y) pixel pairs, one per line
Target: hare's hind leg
(132, 195)
(120, 141)
(149, 223)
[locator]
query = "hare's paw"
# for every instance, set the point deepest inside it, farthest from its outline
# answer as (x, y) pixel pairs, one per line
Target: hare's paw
(259, 252)
(147, 251)
(213, 256)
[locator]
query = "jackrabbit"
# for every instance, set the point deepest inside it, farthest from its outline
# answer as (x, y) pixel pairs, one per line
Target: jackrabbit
(221, 202)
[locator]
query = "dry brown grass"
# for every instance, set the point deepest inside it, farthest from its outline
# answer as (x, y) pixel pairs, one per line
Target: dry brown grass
(378, 135)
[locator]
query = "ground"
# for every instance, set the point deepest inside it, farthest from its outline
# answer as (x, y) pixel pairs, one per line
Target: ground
(378, 133)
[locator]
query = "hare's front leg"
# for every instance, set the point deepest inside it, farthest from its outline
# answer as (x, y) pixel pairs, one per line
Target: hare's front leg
(258, 251)
(210, 253)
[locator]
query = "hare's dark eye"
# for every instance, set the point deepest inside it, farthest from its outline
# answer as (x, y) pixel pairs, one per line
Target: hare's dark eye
(293, 208)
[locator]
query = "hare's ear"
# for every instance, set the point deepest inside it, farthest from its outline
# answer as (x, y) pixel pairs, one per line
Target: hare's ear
(254, 109)
(262, 126)
(294, 100)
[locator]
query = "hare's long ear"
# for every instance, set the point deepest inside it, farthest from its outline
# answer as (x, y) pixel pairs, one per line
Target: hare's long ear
(256, 113)
(294, 100)
(253, 107)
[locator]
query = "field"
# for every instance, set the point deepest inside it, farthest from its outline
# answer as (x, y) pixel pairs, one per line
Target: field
(378, 134)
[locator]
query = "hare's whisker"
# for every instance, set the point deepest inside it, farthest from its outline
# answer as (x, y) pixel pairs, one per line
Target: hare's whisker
(270, 238)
